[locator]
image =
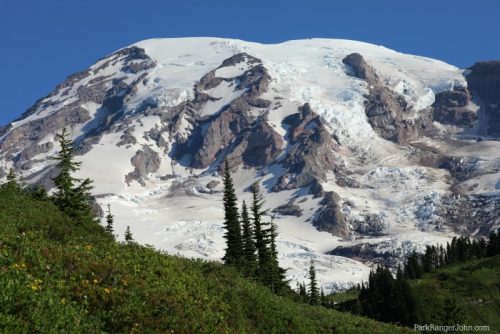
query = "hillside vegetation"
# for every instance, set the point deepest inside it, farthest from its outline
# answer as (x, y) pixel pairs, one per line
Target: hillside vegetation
(472, 287)
(64, 276)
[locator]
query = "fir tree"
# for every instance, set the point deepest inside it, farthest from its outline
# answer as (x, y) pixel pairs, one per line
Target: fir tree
(249, 250)
(109, 221)
(493, 247)
(303, 293)
(12, 181)
(72, 195)
(313, 286)
(413, 268)
(234, 252)
(259, 229)
(38, 192)
(128, 235)
(274, 275)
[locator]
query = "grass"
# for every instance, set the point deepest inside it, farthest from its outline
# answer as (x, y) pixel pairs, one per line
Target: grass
(60, 276)
(474, 286)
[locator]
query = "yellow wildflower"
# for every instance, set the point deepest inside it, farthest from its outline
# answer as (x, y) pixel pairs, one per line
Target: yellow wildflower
(36, 285)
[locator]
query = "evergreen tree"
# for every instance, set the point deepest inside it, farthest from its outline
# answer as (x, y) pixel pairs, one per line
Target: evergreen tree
(234, 252)
(274, 275)
(38, 192)
(493, 247)
(249, 250)
(128, 235)
(12, 183)
(413, 268)
(314, 297)
(109, 221)
(72, 195)
(260, 231)
(303, 293)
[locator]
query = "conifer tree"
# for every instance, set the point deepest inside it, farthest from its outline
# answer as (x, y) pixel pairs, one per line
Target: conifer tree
(109, 221)
(274, 275)
(72, 195)
(303, 293)
(260, 231)
(38, 192)
(249, 250)
(234, 251)
(493, 247)
(128, 235)
(11, 183)
(313, 286)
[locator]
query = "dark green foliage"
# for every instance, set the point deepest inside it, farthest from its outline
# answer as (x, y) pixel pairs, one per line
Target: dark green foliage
(303, 297)
(314, 298)
(464, 293)
(260, 230)
(413, 268)
(249, 249)
(128, 235)
(72, 195)
(460, 250)
(109, 221)
(38, 192)
(442, 290)
(12, 183)
(493, 247)
(273, 274)
(388, 299)
(234, 251)
(59, 276)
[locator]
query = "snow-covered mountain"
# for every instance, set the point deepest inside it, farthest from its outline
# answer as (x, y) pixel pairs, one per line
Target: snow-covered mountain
(364, 153)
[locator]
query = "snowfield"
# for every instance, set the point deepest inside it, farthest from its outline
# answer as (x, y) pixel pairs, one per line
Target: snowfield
(178, 215)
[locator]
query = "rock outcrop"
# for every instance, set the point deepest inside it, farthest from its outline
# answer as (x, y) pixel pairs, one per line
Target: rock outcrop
(484, 82)
(311, 153)
(145, 161)
(387, 111)
(330, 218)
(453, 107)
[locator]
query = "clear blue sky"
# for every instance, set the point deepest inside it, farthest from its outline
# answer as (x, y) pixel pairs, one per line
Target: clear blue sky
(43, 41)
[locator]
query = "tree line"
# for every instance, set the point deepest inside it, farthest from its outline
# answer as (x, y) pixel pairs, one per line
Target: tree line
(460, 249)
(390, 298)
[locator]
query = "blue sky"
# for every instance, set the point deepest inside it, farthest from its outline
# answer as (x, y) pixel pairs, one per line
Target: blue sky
(45, 41)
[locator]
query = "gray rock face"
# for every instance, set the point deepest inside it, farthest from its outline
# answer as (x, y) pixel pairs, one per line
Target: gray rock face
(312, 150)
(385, 109)
(375, 253)
(288, 209)
(234, 131)
(101, 90)
(330, 217)
(257, 147)
(145, 161)
(452, 107)
(484, 82)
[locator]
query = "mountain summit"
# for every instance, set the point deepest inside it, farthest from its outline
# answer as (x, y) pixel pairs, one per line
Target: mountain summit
(364, 153)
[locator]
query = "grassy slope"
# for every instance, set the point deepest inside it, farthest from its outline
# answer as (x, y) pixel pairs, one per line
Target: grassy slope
(475, 285)
(59, 277)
